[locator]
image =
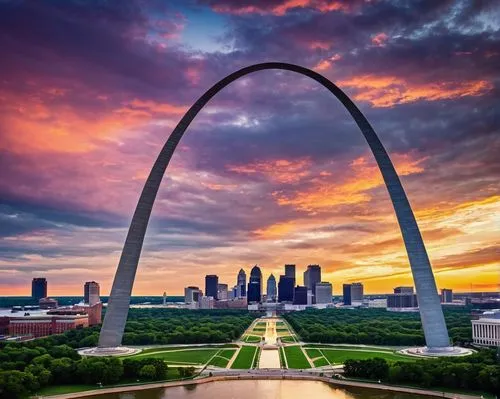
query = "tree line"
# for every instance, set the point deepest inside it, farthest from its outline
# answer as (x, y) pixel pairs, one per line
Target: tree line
(166, 326)
(374, 326)
(24, 369)
(480, 370)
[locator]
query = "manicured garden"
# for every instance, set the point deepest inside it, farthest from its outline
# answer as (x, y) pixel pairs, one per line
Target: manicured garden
(295, 358)
(251, 339)
(245, 357)
(340, 355)
(181, 356)
(222, 358)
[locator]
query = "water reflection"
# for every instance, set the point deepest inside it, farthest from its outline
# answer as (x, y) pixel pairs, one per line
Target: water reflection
(261, 389)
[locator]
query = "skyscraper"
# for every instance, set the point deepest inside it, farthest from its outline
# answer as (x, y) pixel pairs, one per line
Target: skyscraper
(192, 294)
(222, 294)
(242, 283)
(290, 272)
(323, 293)
(285, 289)
(352, 293)
(39, 288)
(255, 285)
(300, 295)
(91, 293)
(312, 276)
(211, 285)
(271, 289)
(446, 295)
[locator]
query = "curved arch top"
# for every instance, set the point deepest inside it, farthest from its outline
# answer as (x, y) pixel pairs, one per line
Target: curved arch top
(435, 331)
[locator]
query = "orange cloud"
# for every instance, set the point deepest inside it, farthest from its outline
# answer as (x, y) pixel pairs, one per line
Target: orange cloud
(386, 91)
(379, 39)
(319, 44)
(364, 177)
(285, 6)
(323, 65)
(281, 170)
(275, 230)
(36, 123)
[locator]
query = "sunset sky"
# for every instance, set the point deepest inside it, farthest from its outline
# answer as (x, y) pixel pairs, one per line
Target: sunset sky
(273, 170)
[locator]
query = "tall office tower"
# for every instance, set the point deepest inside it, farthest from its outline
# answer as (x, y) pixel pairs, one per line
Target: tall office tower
(242, 283)
(312, 276)
(403, 290)
(285, 289)
(323, 293)
(271, 289)
(222, 294)
(211, 285)
(39, 288)
(357, 292)
(446, 295)
(300, 295)
(91, 293)
(192, 294)
(290, 272)
(352, 293)
(255, 285)
(164, 298)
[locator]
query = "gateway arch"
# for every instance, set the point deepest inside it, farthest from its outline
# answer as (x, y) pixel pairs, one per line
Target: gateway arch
(435, 331)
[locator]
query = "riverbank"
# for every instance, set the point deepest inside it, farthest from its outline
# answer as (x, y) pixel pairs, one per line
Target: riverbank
(271, 375)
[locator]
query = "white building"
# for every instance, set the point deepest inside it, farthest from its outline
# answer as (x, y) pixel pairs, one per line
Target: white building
(323, 292)
(486, 330)
(207, 302)
(377, 303)
(222, 294)
(192, 294)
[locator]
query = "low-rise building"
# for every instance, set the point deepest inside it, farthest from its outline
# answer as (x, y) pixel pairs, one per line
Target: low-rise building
(486, 329)
(45, 324)
(207, 302)
(48, 303)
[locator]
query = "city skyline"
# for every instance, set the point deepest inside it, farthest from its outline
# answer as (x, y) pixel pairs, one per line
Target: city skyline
(77, 143)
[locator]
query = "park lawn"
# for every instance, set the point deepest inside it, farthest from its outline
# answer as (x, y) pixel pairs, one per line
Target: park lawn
(288, 339)
(256, 359)
(219, 361)
(245, 357)
(227, 353)
(261, 324)
(351, 347)
(320, 362)
(252, 339)
(190, 356)
(281, 328)
(282, 358)
(296, 358)
(313, 353)
(339, 356)
(62, 389)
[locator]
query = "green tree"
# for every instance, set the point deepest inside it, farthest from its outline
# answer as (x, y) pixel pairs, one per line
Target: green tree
(148, 372)
(42, 375)
(16, 384)
(63, 370)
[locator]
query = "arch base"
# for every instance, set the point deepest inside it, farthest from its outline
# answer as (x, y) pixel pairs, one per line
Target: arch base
(108, 351)
(424, 351)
